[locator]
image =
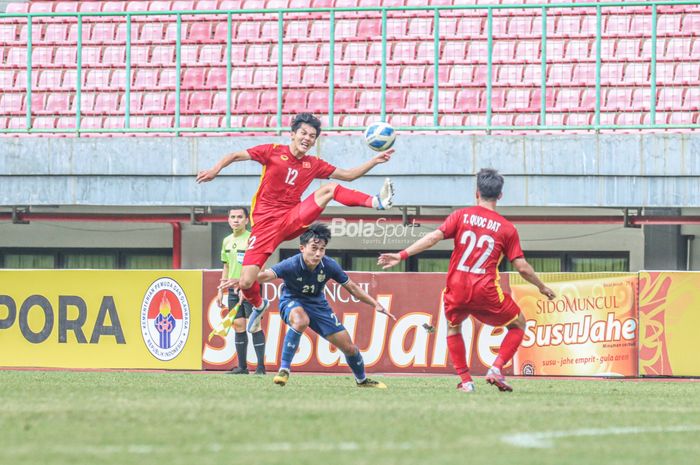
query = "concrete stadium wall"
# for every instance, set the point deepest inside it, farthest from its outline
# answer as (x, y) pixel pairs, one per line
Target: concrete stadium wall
(582, 170)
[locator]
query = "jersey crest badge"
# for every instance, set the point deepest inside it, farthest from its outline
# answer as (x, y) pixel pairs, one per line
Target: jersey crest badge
(284, 157)
(306, 164)
(320, 277)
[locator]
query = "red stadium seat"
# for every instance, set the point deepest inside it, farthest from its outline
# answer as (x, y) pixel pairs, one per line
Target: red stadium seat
(199, 102)
(145, 79)
(107, 104)
(167, 79)
(268, 101)
(417, 101)
(617, 98)
(247, 101)
(295, 101)
(200, 32)
(345, 100)
(404, 52)
(97, 79)
(219, 102)
(365, 76)
(50, 79)
(412, 76)
(670, 98)
(355, 53)
(154, 103)
(314, 76)
(151, 32)
(216, 78)
(193, 78)
(318, 101)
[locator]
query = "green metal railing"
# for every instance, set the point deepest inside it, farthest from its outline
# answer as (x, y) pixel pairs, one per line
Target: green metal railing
(436, 14)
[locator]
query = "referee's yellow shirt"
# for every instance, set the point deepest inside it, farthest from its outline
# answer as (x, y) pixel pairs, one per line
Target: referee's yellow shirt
(232, 251)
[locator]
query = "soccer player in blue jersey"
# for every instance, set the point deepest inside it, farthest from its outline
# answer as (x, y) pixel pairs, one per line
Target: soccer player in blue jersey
(303, 303)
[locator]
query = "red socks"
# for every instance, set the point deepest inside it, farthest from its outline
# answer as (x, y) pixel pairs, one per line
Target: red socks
(458, 355)
(509, 347)
(351, 198)
(252, 294)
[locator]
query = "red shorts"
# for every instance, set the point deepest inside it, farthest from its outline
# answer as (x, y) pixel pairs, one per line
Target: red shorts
(484, 308)
(269, 232)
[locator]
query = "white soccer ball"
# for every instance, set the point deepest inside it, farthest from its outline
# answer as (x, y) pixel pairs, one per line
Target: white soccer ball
(380, 136)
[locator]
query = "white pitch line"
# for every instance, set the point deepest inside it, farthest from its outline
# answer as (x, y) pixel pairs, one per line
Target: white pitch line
(545, 439)
(153, 449)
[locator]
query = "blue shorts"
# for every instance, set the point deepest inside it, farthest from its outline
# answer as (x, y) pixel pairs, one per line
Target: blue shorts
(321, 317)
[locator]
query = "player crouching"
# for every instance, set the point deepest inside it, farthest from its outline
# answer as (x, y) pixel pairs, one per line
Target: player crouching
(304, 305)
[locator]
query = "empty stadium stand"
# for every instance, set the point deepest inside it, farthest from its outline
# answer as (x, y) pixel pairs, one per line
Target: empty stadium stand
(516, 97)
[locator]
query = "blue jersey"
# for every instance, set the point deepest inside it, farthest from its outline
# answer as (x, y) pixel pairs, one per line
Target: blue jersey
(307, 285)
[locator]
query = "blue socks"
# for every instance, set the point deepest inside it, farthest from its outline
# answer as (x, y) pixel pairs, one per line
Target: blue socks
(357, 365)
(289, 348)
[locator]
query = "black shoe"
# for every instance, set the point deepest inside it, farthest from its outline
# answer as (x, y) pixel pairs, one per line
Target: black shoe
(260, 370)
(238, 371)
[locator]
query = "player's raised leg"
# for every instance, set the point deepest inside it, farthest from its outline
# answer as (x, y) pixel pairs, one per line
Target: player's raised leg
(509, 346)
(298, 321)
(353, 357)
(352, 198)
(458, 355)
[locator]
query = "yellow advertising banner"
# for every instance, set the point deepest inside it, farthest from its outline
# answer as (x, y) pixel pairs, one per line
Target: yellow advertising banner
(668, 322)
(589, 329)
(101, 319)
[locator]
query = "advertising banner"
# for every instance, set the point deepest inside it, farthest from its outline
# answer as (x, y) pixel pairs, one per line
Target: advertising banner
(402, 346)
(668, 322)
(589, 329)
(100, 319)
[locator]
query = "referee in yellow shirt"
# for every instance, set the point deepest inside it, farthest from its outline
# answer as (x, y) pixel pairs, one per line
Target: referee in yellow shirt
(232, 250)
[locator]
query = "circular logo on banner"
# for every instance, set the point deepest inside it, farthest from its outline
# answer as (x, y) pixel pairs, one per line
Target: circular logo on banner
(165, 319)
(527, 369)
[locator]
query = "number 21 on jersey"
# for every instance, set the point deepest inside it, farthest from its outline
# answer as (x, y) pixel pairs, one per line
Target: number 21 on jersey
(471, 241)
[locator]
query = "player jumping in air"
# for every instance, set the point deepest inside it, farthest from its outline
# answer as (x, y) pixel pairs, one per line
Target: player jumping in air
(303, 303)
(278, 214)
(481, 238)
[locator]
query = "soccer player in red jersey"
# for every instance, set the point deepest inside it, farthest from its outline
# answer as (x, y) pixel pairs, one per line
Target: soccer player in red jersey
(482, 238)
(277, 212)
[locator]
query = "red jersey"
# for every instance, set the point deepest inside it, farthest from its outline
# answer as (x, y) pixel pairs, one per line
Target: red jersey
(482, 238)
(283, 180)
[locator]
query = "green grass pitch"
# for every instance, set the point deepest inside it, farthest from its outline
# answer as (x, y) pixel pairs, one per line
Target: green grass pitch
(54, 417)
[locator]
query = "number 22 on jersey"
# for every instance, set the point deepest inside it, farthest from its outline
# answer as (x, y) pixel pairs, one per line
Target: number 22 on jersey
(484, 245)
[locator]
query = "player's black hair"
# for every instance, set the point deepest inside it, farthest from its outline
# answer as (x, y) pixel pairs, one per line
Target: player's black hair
(246, 213)
(309, 119)
(489, 183)
(316, 231)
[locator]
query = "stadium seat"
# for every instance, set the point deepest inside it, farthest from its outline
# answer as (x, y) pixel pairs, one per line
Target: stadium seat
(216, 77)
(412, 76)
(114, 55)
(416, 101)
(670, 98)
(365, 76)
(50, 79)
(193, 78)
(105, 104)
(154, 103)
(267, 76)
(200, 32)
(454, 52)
(247, 101)
(12, 104)
(54, 34)
(219, 102)
(199, 102)
(314, 76)
(469, 101)
(344, 100)
(617, 98)
(355, 53)
(151, 32)
(145, 79)
(318, 101)
(268, 101)
(97, 79)
(167, 79)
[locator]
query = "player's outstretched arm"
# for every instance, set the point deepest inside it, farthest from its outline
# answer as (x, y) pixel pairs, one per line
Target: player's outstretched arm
(211, 173)
(359, 171)
(528, 273)
(359, 293)
(387, 260)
